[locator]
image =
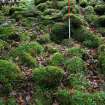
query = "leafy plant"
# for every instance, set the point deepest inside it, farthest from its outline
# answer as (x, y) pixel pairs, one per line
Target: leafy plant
(8, 73)
(57, 59)
(75, 65)
(76, 51)
(49, 76)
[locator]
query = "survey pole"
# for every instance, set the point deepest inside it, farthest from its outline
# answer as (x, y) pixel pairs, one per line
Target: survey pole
(69, 18)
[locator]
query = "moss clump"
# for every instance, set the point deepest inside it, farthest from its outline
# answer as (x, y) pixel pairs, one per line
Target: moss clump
(48, 77)
(6, 31)
(75, 65)
(80, 98)
(28, 60)
(32, 48)
(63, 97)
(102, 58)
(86, 36)
(100, 9)
(8, 73)
(40, 97)
(83, 3)
(100, 21)
(3, 44)
(44, 39)
(78, 81)
(59, 32)
(57, 59)
(12, 101)
(76, 51)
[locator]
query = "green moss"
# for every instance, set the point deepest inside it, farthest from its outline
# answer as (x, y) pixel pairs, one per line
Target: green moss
(57, 59)
(75, 65)
(101, 58)
(92, 42)
(63, 97)
(32, 48)
(44, 39)
(3, 44)
(100, 21)
(76, 51)
(28, 60)
(12, 101)
(6, 32)
(59, 32)
(8, 73)
(51, 49)
(48, 77)
(101, 30)
(80, 98)
(89, 39)
(40, 97)
(78, 81)
(100, 9)
(83, 3)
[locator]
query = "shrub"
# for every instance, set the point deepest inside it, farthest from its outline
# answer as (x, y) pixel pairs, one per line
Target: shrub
(57, 59)
(63, 97)
(41, 97)
(89, 39)
(80, 98)
(8, 73)
(101, 58)
(6, 32)
(51, 49)
(59, 32)
(76, 51)
(101, 30)
(12, 101)
(78, 81)
(100, 9)
(27, 59)
(75, 65)
(49, 76)
(100, 21)
(44, 39)
(3, 44)
(89, 10)
(32, 48)
(92, 42)
(83, 3)
(68, 42)
(1, 101)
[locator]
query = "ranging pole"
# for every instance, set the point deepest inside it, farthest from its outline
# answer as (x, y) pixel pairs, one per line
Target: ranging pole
(69, 18)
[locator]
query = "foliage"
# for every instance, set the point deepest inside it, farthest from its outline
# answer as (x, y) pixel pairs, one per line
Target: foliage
(40, 97)
(3, 44)
(57, 59)
(101, 58)
(48, 77)
(78, 81)
(6, 32)
(100, 9)
(59, 32)
(75, 65)
(76, 51)
(86, 36)
(8, 73)
(63, 97)
(32, 48)
(44, 39)
(28, 60)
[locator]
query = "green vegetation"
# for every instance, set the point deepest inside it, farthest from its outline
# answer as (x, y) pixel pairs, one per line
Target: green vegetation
(48, 77)
(75, 65)
(57, 59)
(40, 64)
